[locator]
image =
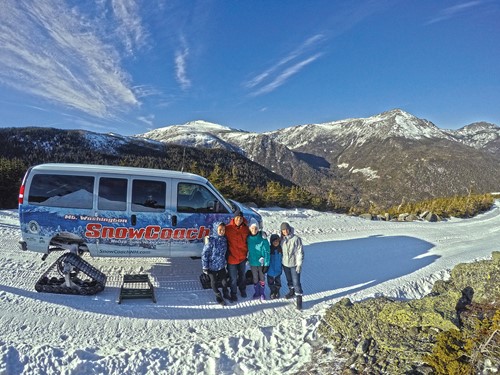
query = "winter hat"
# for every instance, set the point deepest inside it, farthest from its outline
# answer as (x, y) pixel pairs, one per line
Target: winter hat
(285, 226)
(238, 213)
(253, 222)
(274, 237)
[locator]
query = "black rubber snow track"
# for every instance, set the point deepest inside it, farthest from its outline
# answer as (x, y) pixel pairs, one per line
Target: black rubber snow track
(94, 283)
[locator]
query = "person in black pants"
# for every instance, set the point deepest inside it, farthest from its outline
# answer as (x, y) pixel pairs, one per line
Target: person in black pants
(213, 261)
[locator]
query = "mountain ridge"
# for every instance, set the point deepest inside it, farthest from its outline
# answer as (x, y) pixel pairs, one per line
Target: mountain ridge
(384, 159)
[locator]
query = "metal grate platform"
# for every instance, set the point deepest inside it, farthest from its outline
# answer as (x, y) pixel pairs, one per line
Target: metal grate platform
(136, 286)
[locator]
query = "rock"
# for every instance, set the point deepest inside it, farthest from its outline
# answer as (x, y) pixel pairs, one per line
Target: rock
(351, 360)
(349, 371)
(366, 216)
(393, 336)
(432, 217)
(363, 346)
(412, 217)
(345, 302)
(440, 287)
(423, 215)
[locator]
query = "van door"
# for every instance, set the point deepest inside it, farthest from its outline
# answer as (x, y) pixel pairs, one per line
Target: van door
(151, 223)
(197, 208)
(112, 227)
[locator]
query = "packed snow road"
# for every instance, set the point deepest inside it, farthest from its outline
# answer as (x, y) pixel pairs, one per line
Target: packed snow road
(187, 332)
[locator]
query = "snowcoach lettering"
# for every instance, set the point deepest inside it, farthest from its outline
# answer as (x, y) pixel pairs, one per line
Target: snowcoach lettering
(137, 233)
(151, 232)
(166, 233)
(190, 234)
(93, 230)
(121, 232)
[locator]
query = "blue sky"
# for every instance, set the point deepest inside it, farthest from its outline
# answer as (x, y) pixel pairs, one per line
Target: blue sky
(131, 66)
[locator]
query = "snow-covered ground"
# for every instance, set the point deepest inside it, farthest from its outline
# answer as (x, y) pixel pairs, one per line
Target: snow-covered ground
(186, 332)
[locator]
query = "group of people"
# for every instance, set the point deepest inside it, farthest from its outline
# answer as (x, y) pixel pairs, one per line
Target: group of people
(228, 249)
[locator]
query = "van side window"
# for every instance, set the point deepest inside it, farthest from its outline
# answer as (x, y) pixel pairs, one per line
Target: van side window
(112, 194)
(148, 196)
(197, 198)
(61, 191)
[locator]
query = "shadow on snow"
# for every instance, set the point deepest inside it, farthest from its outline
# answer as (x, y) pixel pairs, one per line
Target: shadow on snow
(331, 270)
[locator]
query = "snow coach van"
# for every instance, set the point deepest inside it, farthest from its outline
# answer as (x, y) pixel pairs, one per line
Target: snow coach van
(113, 211)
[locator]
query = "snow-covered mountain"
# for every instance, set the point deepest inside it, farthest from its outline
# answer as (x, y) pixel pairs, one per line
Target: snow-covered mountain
(382, 159)
(196, 134)
(391, 124)
(260, 148)
(480, 135)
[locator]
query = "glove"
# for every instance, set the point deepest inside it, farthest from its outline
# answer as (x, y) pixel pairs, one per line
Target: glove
(298, 268)
(261, 261)
(265, 269)
(205, 271)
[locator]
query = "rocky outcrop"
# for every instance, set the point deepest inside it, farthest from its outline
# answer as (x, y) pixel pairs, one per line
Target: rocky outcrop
(426, 216)
(386, 336)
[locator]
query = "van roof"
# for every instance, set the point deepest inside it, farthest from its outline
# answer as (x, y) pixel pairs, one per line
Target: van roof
(112, 169)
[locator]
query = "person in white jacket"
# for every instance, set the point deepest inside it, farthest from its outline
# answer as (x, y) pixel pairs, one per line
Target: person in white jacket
(293, 255)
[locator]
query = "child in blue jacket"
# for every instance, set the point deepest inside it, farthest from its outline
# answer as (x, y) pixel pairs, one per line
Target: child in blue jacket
(275, 267)
(258, 257)
(213, 260)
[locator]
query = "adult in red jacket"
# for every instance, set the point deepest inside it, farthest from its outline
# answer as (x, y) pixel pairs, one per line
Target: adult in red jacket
(236, 234)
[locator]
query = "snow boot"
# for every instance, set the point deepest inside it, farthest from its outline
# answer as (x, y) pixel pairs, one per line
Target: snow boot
(257, 291)
(243, 293)
(233, 297)
(273, 292)
(299, 302)
(219, 299)
(262, 291)
(290, 294)
(226, 295)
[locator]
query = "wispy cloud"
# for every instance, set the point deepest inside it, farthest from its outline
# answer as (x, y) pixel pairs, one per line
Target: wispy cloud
(453, 11)
(144, 91)
(52, 51)
(148, 120)
(286, 67)
(285, 75)
(129, 24)
(181, 56)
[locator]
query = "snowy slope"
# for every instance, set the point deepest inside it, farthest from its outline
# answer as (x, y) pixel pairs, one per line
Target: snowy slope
(477, 135)
(395, 123)
(186, 332)
(196, 134)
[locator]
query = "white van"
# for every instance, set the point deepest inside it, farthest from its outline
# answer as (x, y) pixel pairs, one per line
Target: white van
(115, 211)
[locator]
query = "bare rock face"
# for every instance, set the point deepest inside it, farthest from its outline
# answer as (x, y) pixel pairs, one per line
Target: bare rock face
(386, 336)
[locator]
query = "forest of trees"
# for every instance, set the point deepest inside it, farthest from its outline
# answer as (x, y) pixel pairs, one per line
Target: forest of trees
(230, 184)
(235, 176)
